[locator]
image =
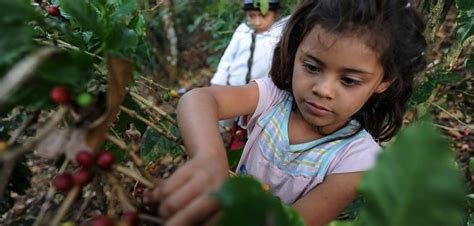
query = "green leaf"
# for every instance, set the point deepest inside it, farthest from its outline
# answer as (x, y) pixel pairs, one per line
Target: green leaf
(154, 146)
(233, 157)
(15, 34)
(34, 95)
(122, 41)
(293, 216)
(465, 19)
(85, 14)
(445, 78)
(264, 6)
(469, 64)
(16, 12)
(122, 8)
(73, 69)
(138, 25)
(123, 121)
(415, 183)
(464, 4)
(352, 211)
(470, 201)
(245, 203)
(470, 220)
(423, 92)
(13, 46)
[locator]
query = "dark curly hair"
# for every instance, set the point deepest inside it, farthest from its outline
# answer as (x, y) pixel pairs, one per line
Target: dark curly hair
(395, 32)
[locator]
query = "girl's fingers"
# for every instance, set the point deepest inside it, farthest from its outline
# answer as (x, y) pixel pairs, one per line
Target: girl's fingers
(181, 197)
(170, 185)
(196, 212)
(152, 195)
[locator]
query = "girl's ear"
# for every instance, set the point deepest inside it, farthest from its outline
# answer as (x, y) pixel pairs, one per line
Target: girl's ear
(383, 86)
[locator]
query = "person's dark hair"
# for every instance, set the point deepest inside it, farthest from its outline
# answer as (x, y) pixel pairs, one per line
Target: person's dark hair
(395, 31)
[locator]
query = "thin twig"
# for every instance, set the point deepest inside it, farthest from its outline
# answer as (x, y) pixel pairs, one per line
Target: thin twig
(83, 207)
(125, 200)
(444, 127)
(49, 197)
(154, 83)
(135, 115)
(135, 159)
(147, 103)
(66, 45)
(155, 118)
(21, 72)
(111, 200)
(154, 7)
(9, 157)
(128, 172)
(232, 174)
(17, 133)
(68, 201)
(453, 116)
(120, 143)
(145, 85)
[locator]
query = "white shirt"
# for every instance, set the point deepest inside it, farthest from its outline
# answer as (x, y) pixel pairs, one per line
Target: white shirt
(233, 66)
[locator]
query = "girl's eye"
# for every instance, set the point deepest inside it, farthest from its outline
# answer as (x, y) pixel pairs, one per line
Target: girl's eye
(311, 68)
(349, 81)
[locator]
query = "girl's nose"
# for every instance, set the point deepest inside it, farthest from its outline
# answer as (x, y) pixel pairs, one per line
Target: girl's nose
(257, 21)
(324, 88)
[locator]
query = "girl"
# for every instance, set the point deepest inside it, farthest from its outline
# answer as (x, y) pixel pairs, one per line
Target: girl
(340, 78)
(249, 54)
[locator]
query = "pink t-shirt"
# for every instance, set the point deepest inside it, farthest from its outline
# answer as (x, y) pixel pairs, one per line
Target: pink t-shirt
(292, 171)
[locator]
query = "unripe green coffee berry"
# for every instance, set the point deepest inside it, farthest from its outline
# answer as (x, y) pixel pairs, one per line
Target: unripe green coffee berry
(84, 99)
(166, 97)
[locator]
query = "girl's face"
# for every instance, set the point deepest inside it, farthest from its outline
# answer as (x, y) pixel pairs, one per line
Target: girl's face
(333, 77)
(259, 21)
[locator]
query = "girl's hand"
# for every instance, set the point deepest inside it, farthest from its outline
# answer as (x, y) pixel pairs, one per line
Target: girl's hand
(185, 197)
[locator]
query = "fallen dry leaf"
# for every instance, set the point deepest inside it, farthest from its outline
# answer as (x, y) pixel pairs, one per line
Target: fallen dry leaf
(119, 75)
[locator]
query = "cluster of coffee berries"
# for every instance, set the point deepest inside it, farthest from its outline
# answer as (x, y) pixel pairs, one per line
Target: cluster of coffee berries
(84, 175)
(52, 10)
(128, 218)
(170, 94)
(62, 96)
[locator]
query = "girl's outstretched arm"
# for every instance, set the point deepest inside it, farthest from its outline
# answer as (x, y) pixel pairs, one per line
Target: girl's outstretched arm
(324, 203)
(185, 196)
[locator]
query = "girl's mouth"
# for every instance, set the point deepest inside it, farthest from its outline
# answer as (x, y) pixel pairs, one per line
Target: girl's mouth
(317, 110)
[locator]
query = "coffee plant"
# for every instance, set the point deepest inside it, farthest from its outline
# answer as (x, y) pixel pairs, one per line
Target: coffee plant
(72, 75)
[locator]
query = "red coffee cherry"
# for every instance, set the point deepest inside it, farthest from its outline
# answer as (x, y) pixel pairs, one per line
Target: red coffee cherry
(85, 159)
(60, 95)
(131, 218)
(105, 159)
(53, 10)
(466, 131)
(82, 177)
(63, 182)
(102, 220)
